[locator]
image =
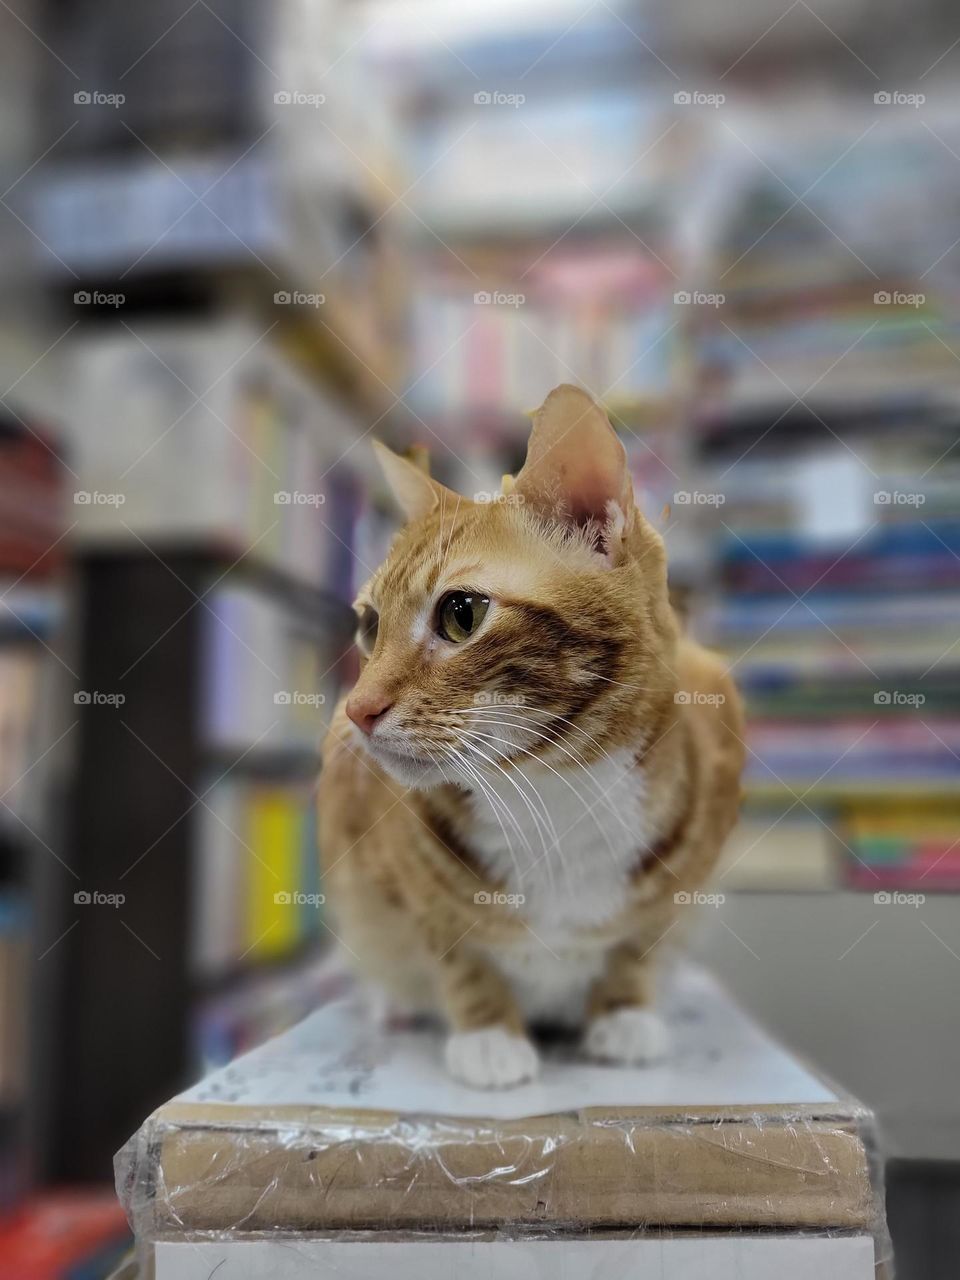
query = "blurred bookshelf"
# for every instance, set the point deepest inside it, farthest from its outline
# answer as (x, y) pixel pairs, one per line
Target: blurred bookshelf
(795, 408)
(825, 420)
(327, 222)
(32, 524)
(226, 257)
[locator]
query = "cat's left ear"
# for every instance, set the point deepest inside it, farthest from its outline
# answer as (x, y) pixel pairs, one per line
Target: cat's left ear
(576, 468)
(412, 485)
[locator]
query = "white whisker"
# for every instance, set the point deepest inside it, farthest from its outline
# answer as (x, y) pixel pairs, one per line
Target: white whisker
(566, 781)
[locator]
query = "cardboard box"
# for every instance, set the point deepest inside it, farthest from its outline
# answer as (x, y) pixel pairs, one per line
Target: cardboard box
(336, 1129)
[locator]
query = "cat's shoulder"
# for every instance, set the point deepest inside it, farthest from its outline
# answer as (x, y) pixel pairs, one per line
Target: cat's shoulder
(711, 701)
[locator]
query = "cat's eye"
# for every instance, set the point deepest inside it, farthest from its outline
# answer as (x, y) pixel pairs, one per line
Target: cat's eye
(460, 613)
(367, 626)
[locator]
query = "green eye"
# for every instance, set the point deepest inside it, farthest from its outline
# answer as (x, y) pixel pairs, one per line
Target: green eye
(459, 615)
(367, 630)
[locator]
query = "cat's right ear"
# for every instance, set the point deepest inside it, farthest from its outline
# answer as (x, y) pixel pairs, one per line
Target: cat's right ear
(416, 492)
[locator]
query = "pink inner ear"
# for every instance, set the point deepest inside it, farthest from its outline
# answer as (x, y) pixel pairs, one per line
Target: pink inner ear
(575, 462)
(588, 490)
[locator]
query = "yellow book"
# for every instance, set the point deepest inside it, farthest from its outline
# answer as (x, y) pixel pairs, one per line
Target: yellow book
(908, 818)
(273, 914)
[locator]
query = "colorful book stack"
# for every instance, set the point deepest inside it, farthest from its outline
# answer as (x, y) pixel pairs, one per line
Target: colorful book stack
(257, 895)
(494, 339)
(270, 679)
(828, 470)
(567, 275)
(899, 844)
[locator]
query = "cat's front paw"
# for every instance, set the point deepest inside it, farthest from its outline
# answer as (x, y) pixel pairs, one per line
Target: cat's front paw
(491, 1058)
(628, 1036)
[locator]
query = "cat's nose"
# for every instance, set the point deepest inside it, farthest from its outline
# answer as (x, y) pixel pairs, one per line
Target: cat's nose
(365, 709)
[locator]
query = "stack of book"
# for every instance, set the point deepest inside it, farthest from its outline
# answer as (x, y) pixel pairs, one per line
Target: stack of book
(190, 435)
(257, 893)
(826, 430)
(270, 675)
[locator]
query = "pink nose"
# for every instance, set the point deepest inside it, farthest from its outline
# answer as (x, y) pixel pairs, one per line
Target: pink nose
(365, 709)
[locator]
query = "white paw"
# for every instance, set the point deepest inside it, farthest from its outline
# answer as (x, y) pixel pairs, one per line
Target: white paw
(628, 1036)
(492, 1058)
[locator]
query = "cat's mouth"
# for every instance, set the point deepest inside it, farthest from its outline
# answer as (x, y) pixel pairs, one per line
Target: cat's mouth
(412, 768)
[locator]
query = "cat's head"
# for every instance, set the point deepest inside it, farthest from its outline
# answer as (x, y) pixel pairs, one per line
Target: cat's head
(536, 626)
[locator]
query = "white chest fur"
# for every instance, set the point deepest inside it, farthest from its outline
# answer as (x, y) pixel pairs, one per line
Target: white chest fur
(565, 844)
(567, 840)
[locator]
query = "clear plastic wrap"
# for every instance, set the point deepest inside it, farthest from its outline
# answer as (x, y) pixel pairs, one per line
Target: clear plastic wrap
(337, 1136)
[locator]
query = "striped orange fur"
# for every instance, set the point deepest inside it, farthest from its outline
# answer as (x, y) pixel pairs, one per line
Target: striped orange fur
(453, 763)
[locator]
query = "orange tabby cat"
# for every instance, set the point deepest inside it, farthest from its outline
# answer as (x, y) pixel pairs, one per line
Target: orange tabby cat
(534, 767)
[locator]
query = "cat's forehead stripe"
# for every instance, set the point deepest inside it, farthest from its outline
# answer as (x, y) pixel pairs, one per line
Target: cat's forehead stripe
(423, 554)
